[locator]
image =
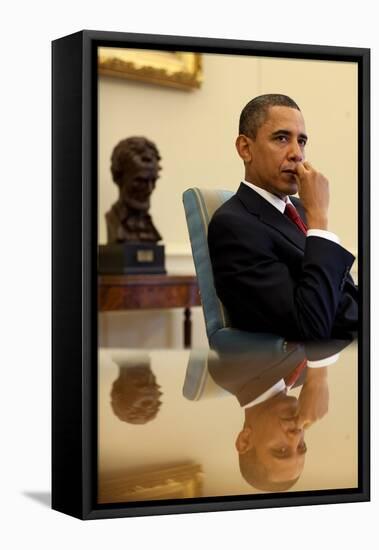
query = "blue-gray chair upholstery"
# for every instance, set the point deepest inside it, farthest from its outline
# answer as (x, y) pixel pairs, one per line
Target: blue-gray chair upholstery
(199, 206)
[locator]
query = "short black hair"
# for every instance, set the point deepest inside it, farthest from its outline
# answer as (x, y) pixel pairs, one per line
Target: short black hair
(257, 475)
(255, 112)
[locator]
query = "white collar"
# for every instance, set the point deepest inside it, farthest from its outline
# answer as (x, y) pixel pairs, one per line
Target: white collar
(272, 199)
(274, 390)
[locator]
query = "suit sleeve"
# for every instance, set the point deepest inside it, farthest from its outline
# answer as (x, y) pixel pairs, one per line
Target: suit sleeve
(262, 291)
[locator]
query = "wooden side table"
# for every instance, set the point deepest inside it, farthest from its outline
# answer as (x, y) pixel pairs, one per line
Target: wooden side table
(128, 292)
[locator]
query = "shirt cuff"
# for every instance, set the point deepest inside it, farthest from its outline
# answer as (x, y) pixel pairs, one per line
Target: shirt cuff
(323, 362)
(324, 234)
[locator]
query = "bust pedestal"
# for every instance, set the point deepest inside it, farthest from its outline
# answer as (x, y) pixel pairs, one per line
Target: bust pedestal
(132, 258)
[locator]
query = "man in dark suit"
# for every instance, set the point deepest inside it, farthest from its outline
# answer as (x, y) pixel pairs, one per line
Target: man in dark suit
(276, 266)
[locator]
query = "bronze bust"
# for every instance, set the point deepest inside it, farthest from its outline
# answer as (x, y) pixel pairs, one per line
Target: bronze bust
(134, 167)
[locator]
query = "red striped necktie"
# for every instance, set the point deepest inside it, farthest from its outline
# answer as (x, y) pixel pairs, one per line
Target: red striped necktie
(293, 376)
(291, 212)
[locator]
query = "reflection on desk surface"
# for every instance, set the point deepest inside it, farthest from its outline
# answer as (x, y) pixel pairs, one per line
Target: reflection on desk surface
(278, 416)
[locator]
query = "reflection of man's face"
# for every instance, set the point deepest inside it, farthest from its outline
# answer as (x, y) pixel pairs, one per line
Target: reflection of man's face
(277, 149)
(279, 443)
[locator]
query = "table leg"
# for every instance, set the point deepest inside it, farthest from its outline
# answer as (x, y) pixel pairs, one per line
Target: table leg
(187, 328)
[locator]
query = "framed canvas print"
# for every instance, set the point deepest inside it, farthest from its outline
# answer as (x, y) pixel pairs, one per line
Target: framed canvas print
(210, 274)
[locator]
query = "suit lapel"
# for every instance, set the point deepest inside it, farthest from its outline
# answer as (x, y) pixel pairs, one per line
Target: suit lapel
(248, 375)
(269, 215)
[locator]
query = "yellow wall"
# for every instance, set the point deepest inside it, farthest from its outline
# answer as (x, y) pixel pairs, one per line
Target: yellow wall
(195, 133)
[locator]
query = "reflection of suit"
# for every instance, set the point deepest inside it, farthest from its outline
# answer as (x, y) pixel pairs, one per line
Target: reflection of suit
(271, 278)
(249, 375)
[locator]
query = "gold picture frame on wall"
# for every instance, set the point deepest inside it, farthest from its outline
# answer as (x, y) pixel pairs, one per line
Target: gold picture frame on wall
(181, 481)
(181, 70)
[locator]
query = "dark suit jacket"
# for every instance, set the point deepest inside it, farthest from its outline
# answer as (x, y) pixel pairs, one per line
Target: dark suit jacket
(271, 278)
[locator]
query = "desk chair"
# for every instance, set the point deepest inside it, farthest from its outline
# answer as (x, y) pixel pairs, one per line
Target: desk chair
(199, 206)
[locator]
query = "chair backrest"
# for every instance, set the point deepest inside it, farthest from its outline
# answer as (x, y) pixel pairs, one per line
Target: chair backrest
(199, 206)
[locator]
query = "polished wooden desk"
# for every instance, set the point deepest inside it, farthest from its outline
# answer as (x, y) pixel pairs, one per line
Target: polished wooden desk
(128, 292)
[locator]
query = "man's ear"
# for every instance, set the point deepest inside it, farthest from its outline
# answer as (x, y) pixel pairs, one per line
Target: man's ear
(243, 146)
(244, 441)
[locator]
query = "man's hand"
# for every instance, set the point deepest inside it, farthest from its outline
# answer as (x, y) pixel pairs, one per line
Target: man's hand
(314, 194)
(314, 398)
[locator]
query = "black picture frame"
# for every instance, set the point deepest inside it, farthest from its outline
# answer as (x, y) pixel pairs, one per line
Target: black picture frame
(74, 271)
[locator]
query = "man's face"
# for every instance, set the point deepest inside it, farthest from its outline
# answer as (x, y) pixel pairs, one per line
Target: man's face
(279, 146)
(278, 441)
